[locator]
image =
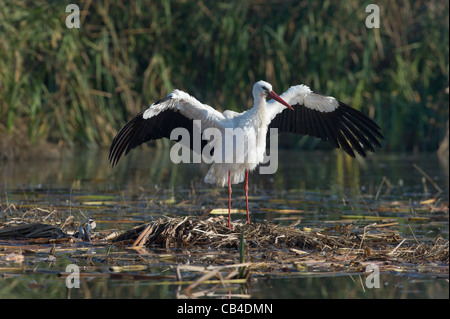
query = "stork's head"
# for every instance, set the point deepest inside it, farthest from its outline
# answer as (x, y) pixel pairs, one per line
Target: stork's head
(263, 90)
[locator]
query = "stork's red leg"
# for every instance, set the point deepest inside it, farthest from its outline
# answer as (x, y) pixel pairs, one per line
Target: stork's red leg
(229, 200)
(246, 195)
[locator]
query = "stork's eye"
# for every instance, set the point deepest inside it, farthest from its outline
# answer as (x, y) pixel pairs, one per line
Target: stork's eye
(265, 89)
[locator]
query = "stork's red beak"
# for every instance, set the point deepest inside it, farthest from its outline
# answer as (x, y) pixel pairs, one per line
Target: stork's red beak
(277, 98)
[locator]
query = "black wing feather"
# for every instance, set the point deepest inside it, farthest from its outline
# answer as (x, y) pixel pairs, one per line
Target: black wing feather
(139, 130)
(345, 127)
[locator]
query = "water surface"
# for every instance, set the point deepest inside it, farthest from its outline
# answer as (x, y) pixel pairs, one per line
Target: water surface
(313, 189)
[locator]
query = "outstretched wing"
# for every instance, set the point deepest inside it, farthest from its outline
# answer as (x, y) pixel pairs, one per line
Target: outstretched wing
(326, 118)
(177, 110)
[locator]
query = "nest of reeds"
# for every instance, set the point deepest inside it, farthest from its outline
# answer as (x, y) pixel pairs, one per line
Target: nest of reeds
(371, 242)
(213, 232)
(329, 248)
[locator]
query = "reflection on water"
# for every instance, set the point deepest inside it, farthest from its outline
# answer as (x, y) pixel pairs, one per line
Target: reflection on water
(333, 172)
(313, 187)
(306, 287)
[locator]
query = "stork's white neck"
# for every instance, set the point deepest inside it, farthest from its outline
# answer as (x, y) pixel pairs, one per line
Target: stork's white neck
(259, 109)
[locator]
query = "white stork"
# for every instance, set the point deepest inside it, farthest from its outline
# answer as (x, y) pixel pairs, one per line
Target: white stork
(298, 110)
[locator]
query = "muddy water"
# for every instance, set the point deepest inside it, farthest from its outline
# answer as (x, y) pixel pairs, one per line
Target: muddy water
(312, 189)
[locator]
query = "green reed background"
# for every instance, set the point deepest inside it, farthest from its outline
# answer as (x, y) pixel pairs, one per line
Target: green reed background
(79, 86)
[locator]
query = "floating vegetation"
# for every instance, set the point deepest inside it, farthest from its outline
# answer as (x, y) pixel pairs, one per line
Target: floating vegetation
(334, 248)
(33, 230)
(207, 243)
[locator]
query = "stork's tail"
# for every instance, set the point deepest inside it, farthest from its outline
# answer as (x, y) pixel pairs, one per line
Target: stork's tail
(219, 175)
